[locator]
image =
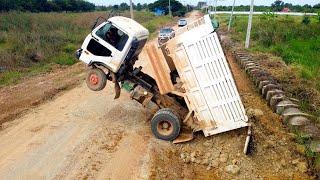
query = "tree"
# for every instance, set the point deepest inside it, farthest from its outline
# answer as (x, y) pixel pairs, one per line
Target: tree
(7, 5)
(124, 6)
(115, 7)
(307, 8)
(46, 5)
(278, 5)
(176, 7)
(139, 7)
(61, 4)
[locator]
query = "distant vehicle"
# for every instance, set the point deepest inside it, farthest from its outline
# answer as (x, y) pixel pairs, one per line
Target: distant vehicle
(182, 22)
(165, 34)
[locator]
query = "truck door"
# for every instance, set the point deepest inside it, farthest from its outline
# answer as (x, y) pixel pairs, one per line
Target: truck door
(112, 42)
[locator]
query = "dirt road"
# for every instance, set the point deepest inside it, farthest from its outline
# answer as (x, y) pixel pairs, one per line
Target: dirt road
(80, 134)
(87, 135)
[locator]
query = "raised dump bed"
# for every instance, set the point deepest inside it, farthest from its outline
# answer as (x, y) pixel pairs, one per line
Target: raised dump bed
(204, 78)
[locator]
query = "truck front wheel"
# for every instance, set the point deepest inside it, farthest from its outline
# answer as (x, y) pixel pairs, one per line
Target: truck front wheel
(165, 125)
(96, 79)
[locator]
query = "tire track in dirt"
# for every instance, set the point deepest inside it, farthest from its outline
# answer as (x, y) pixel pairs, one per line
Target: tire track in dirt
(75, 136)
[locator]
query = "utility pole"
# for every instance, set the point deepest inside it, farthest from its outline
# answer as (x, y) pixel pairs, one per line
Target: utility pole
(170, 13)
(215, 7)
(230, 20)
(247, 44)
(131, 9)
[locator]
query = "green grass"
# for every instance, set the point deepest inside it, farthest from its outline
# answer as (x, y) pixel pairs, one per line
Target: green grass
(64, 59)
(297, 43)
(55, 36)
(14, 76)
(304, 52)
(10, 77)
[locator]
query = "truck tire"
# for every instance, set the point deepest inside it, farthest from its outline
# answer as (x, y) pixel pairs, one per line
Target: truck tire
(96, 79)
(164, 109)
(165, 125)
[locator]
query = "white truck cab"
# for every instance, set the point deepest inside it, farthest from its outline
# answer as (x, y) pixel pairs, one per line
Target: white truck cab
(113, 43)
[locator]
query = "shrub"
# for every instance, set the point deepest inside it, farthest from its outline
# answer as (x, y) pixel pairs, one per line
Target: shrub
(268, 15)
(64, 59)
(3, 37)
(69, 48)
(9, 77)
(306, 20)
(151, 27)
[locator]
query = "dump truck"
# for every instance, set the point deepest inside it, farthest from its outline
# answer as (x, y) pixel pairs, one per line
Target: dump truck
(192, 88)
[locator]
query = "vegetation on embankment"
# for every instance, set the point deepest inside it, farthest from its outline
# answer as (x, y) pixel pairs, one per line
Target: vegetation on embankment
(288, 48)
(31, 43)
(296, 40)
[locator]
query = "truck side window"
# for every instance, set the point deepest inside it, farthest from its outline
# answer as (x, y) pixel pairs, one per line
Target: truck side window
(97, 49)
(113, 36)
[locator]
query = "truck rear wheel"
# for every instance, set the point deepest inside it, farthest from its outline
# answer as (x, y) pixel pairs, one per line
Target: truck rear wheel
(165, 125)
(96, 79)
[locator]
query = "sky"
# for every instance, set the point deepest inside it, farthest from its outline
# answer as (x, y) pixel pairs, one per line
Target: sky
(220, 2)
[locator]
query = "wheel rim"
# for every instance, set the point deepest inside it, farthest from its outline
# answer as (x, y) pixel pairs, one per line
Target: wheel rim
(165, 127)
(94, 79)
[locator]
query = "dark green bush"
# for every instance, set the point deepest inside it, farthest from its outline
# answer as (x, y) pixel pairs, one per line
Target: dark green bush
(306, 20)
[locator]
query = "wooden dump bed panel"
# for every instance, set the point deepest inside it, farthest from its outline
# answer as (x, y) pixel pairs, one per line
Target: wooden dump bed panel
(160, 69)
(210, 88)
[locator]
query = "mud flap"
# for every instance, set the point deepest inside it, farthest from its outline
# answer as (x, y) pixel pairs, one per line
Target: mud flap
(117, 88)
(183, 137)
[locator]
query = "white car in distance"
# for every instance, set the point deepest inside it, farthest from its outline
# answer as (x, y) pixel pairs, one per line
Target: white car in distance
(182, 22)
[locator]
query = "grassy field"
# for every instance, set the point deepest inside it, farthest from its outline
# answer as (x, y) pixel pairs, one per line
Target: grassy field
(32, 43)
(298, 45)
(286, 36)
(295, 42)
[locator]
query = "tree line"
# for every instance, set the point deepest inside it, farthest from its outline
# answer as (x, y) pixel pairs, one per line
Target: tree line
(277, 6)
(46, 5)
(177, 8)
(81, 5)
(123, 7)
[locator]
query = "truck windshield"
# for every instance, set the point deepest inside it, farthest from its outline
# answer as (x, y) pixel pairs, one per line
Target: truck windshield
(113, 36)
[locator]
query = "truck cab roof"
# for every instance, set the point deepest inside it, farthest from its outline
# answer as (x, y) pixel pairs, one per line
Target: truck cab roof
(130, 26)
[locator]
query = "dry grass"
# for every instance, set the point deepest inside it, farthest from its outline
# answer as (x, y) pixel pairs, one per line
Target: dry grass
(31, 42)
